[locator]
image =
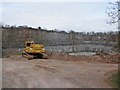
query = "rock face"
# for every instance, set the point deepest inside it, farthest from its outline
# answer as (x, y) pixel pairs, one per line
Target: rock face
(55, 41)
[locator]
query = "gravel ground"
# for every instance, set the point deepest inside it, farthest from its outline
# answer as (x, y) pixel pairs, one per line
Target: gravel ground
(18, 72)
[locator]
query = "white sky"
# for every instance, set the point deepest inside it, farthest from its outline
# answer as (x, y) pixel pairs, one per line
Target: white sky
(77, 16)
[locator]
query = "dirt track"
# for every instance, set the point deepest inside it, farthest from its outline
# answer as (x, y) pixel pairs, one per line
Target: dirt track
(40, 73)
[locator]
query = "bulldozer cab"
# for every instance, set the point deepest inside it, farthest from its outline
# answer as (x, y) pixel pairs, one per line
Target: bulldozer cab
(28, 43)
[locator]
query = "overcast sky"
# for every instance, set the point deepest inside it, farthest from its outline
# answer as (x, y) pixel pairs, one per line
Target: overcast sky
(77, 16)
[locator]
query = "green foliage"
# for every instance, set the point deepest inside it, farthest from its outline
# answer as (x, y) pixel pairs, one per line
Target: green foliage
(115, 80)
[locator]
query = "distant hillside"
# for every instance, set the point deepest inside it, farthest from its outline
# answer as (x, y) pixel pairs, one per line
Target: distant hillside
(14, 37)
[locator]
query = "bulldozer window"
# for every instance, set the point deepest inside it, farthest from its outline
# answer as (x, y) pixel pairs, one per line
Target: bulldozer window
(28, 44)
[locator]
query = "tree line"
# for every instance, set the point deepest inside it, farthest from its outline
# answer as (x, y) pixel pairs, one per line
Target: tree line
(56, 30)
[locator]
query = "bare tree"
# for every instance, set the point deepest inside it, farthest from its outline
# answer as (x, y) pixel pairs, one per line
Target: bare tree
(72, 35)
(114, 14)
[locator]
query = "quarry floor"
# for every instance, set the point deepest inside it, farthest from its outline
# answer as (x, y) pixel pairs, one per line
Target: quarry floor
(18, 72)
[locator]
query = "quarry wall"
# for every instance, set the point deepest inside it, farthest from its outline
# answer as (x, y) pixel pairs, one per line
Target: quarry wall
(54, 41)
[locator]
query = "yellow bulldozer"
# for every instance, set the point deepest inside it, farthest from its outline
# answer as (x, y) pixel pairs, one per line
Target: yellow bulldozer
(33, 50)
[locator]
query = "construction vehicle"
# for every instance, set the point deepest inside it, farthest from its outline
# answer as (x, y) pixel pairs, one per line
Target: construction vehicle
(33, 50)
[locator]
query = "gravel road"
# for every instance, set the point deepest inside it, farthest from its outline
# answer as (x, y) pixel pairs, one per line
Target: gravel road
(47, 73)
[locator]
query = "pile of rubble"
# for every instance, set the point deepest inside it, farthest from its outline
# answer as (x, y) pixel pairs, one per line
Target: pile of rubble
(103, 58)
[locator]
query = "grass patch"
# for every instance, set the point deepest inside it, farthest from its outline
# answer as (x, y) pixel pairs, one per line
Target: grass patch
(19, 53)
(115, 79)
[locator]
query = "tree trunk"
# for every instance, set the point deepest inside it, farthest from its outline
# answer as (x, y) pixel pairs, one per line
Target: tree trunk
(119, 26)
